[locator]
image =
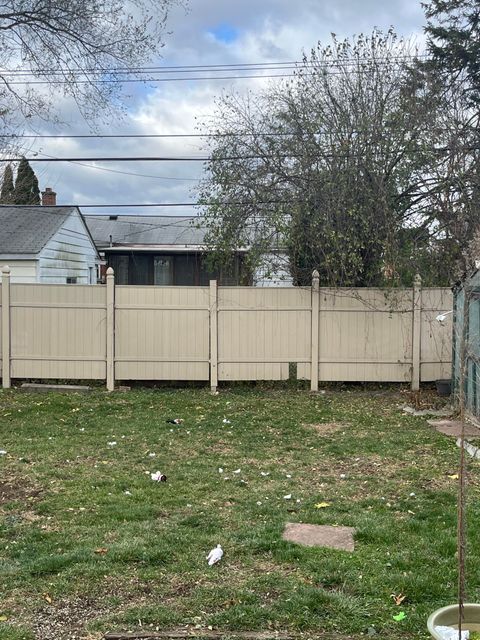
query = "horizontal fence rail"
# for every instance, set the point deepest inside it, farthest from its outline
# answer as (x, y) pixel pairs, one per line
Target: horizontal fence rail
(216, 334)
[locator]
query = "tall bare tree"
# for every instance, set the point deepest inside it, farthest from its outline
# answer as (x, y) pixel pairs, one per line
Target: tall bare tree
(77, 48)
(332, 167)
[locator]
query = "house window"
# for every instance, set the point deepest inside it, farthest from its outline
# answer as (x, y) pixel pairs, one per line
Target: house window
(119, 265)
(163, 270)
(71, 280)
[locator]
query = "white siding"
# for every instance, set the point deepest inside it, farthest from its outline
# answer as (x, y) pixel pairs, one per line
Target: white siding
(21, 271)
(274, 272)
(70, 253)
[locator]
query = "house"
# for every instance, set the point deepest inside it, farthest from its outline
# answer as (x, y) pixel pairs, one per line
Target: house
(164, 250)
(48, 244)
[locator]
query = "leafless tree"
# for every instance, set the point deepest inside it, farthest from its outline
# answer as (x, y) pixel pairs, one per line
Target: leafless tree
(332, 166)
(77, 48)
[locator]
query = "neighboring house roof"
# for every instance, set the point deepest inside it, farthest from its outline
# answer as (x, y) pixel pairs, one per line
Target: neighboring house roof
(151, 231)
(25, 230)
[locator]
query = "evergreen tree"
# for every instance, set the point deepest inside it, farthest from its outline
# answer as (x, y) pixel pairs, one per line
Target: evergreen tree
(6, 194)
(453, 30)
(26, 185)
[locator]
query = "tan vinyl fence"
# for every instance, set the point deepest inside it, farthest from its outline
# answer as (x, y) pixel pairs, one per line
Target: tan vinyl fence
(97, 332)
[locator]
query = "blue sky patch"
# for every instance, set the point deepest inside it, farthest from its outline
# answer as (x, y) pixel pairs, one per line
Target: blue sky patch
(225, 33)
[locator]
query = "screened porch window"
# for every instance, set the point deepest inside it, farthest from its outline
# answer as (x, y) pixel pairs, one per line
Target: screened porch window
(162, 270)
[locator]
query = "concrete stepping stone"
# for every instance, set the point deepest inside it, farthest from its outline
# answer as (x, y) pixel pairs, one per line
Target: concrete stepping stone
(454, 428)
(314, 535)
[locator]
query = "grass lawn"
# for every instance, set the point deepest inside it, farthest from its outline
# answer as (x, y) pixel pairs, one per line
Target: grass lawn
(89, 543)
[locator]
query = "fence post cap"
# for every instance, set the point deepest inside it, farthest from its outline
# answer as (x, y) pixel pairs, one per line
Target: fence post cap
(110, 271)
(316, 275)
(417, 279)
(6, 269)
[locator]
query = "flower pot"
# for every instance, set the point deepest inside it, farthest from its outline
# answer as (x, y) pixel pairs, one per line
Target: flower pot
(444, 387)
(448, 617)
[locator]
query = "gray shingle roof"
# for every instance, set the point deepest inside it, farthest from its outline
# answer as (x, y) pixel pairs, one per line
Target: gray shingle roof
(26, 230)
(148, 230)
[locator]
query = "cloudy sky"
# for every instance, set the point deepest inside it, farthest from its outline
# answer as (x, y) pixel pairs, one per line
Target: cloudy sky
(210, 32)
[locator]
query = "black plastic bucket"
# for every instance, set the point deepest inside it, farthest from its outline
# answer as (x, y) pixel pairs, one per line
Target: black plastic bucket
(444, 387)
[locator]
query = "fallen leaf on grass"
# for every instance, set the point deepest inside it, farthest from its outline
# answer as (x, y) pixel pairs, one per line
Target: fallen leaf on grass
(322, 505)
(454, 476)
(47, 598)
(101, 551)
(400, 616)
(398, 599)
(3, 618)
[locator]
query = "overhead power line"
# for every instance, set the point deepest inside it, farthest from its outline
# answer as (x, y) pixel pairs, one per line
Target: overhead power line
(202, 67)
(244, 134)
(150, 205)
(221, 158)
(126, 173)
(180, 204)
(154, 74)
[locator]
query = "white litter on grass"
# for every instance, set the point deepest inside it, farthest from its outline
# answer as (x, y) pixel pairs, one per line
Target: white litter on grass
(259, 503)
(82, 429)
(412, 495)
(158, 476)
(449, 633)
(220, 470)
(127, 493)
(237, 471)
(112, 443)
(264, 473)
(225, 421)
(215, 555)
(343, 476)
(3, 452)
(288, 497)
(288, 475)
(152, 455)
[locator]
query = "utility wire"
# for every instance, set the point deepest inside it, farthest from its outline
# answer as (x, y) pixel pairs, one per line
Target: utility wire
(246, 134)
(125, 173)
(217, 158)
(221, 67)
(181, 204)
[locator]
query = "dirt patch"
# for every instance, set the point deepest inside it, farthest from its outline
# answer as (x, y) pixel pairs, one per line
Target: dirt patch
(13, 489)
(65, 620)
(325, 428)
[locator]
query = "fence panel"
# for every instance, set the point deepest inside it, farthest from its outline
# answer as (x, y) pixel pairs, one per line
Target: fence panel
(261, 331)
(162, 333)
(225, 333)
(365, 335)
(57, 331)
(1, 351)
(436, 337)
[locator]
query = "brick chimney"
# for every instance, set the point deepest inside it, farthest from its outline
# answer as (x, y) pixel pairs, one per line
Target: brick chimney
(49, 197)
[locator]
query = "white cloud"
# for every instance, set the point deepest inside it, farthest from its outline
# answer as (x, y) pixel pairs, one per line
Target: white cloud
(268, 31)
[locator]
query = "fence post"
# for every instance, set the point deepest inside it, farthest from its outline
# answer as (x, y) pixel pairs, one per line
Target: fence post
(110, 329)
(314, 327)
(416, 331)
(213, 336)
(6, 347)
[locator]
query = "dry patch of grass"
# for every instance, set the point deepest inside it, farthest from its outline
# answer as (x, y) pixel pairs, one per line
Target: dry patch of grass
(326, 428)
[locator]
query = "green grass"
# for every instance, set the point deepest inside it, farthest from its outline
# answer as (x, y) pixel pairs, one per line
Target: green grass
(66, 504)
